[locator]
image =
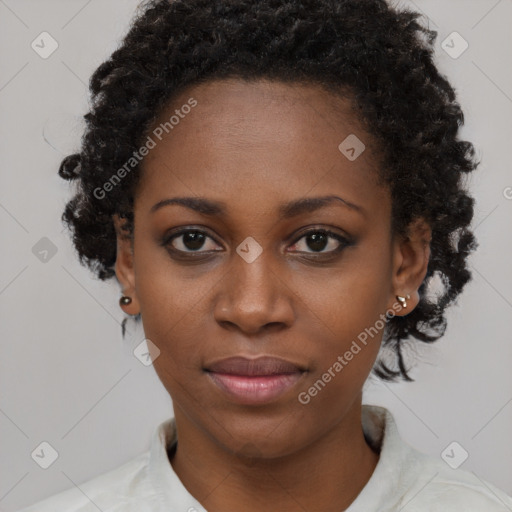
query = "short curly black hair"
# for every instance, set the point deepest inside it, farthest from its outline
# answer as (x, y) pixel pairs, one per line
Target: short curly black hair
(380, 57)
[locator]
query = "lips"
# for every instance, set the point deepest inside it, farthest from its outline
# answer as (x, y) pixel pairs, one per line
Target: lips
(254, 381)
(261, 366)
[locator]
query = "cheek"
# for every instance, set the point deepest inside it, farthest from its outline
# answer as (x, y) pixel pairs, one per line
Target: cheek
(170, 309)
(346, 346)
(173, 315)
(345, 319)
(169, 296)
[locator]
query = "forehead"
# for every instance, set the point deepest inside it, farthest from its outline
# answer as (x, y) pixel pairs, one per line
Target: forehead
(280, 139)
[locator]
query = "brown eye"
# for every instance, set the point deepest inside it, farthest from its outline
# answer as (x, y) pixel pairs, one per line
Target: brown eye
(319, 239)
(190, 240)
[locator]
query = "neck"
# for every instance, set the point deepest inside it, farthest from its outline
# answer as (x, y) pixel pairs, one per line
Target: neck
(326, 475)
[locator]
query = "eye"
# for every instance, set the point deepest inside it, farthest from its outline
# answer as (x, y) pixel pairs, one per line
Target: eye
(189, 241)
(320, 239)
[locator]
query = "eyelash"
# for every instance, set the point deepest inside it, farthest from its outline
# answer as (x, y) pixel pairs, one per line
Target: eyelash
(344, 242)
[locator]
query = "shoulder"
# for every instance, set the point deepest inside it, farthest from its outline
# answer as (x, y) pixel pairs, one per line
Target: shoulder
(439, 488)
(126, 488)
(408, 480)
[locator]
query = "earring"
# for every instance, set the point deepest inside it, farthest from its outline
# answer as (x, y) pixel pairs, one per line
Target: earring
(402, 300)
(125, 300)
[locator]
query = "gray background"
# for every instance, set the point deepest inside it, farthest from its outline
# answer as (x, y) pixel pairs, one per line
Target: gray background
(66, 375)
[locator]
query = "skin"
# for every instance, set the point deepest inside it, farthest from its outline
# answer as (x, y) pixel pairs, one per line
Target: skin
(253, 146)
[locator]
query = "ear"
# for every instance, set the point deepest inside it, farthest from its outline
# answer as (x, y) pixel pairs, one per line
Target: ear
(411, 255)
(124, 267)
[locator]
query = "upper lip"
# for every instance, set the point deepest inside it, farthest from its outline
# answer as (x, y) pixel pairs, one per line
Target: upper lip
(264, 365)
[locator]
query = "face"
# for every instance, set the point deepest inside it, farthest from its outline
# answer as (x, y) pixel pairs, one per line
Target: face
(258, 271)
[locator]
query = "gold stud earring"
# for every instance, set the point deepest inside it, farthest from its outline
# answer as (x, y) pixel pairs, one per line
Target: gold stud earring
(402, 300)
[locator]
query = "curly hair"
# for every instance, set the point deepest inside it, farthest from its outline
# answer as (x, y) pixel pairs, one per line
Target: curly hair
(367, 50)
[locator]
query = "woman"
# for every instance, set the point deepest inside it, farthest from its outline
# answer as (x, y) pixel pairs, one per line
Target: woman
(275, 185)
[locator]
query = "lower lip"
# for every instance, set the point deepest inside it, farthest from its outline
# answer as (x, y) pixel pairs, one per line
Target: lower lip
(255, 390)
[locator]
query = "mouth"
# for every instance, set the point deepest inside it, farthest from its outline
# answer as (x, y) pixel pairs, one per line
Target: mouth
(254, 381)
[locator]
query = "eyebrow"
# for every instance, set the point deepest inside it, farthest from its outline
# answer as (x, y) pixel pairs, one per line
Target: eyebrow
(287, 210)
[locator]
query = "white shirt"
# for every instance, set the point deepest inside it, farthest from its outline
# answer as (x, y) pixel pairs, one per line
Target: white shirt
(404, 480)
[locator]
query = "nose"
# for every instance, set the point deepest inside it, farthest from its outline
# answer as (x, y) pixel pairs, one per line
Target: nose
(254, 297)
